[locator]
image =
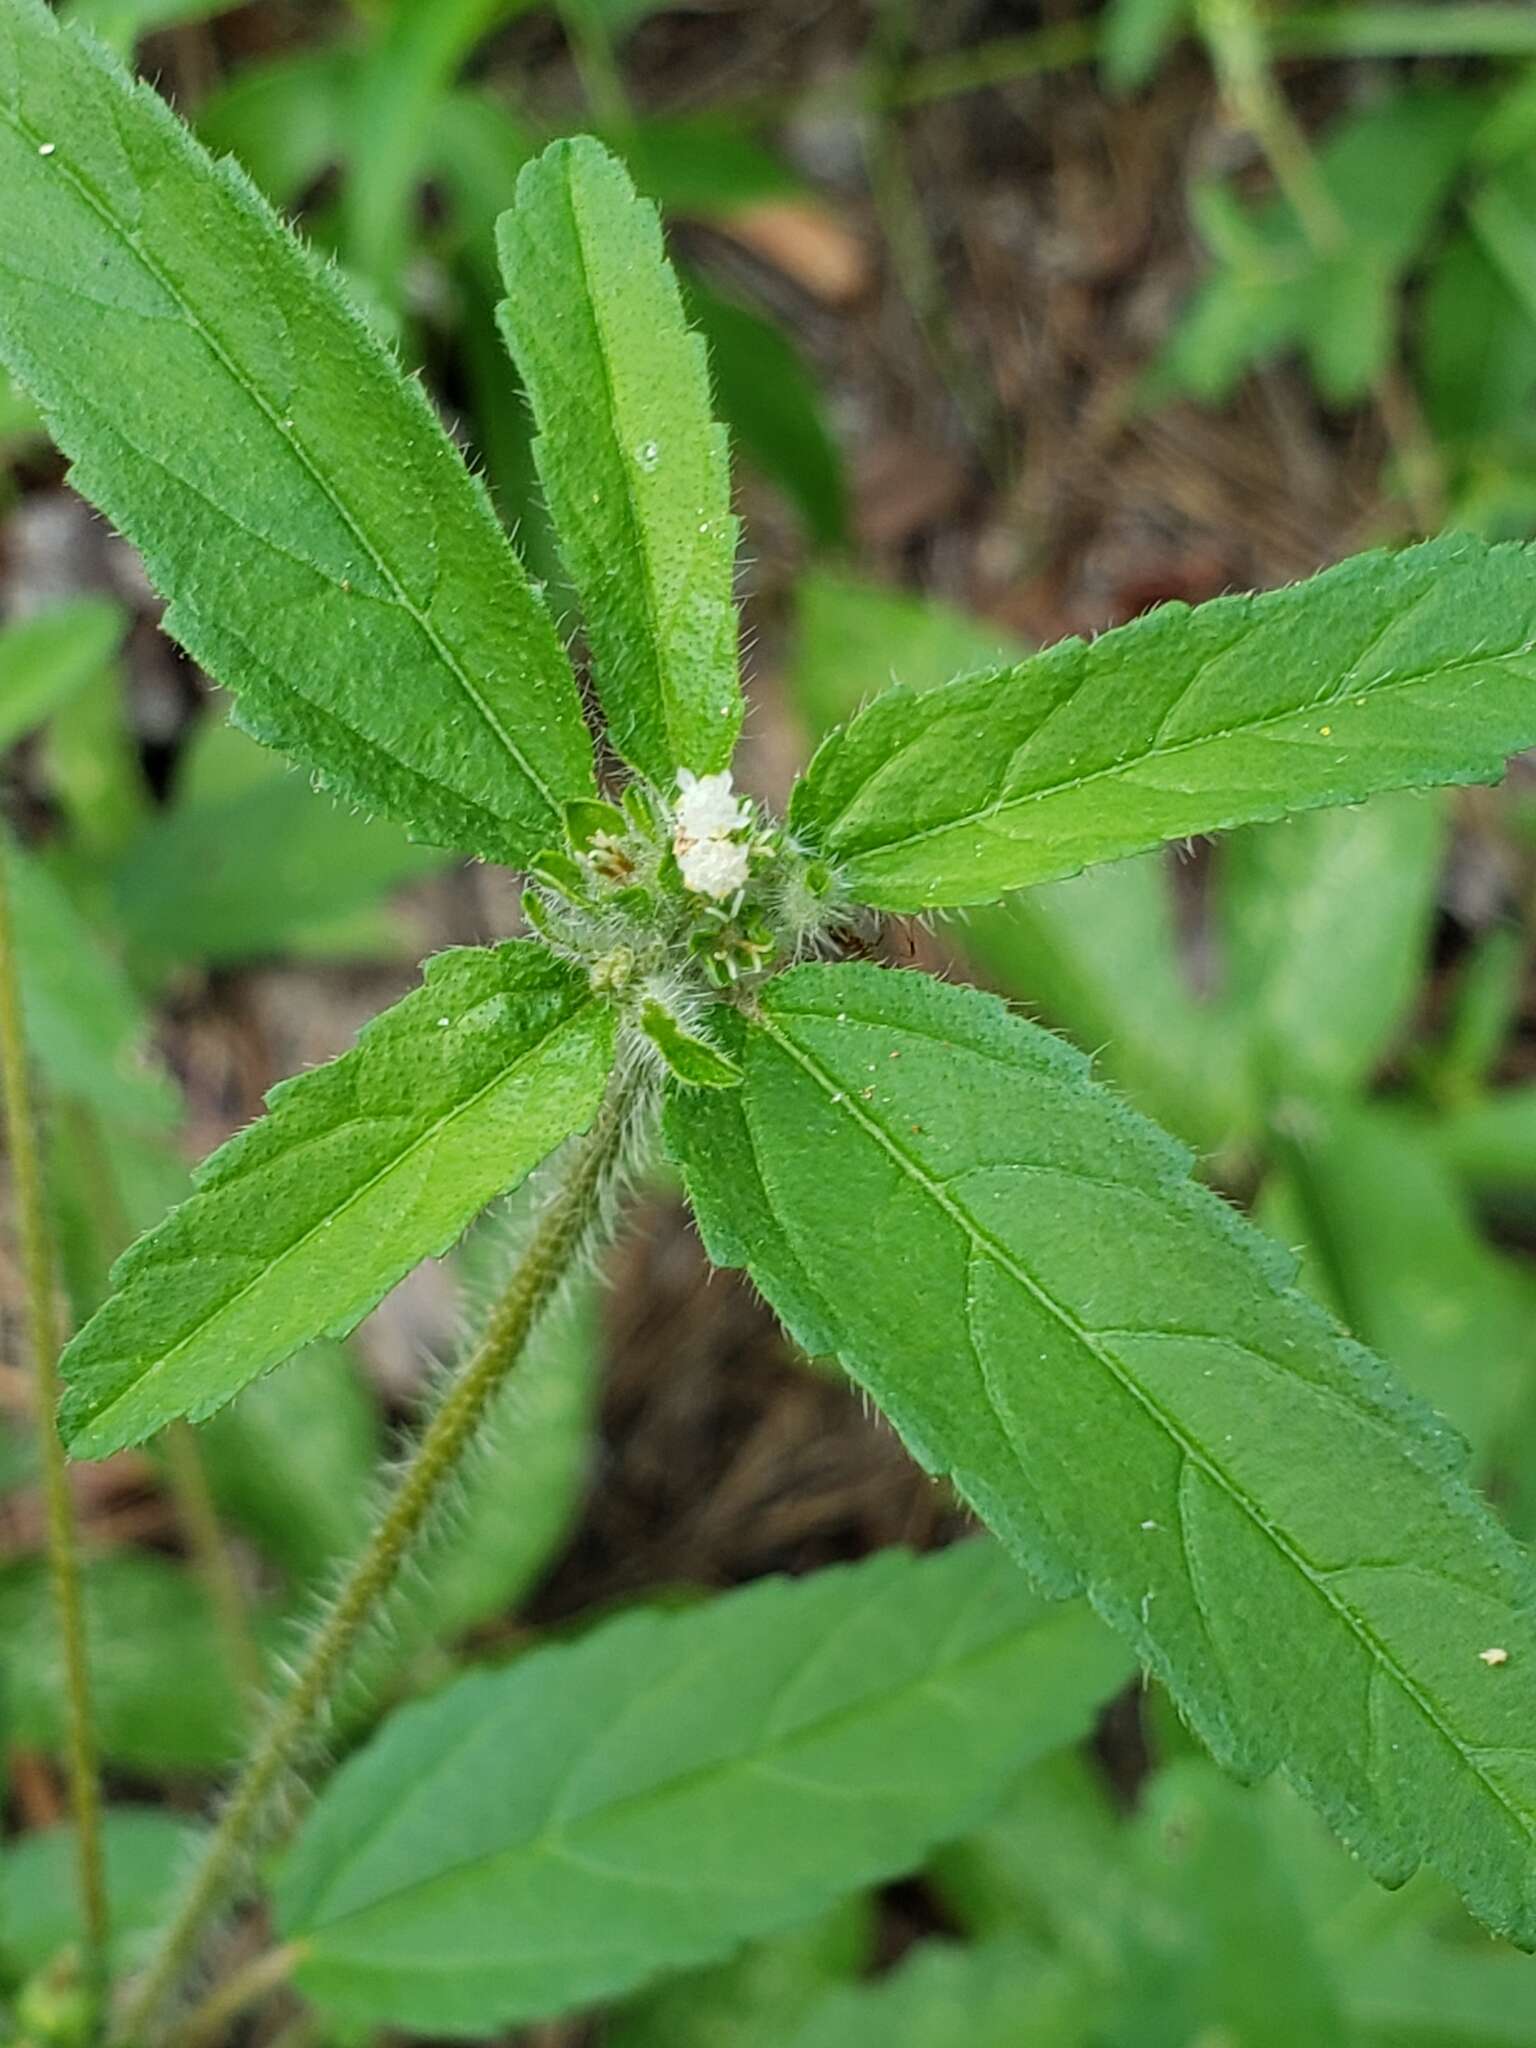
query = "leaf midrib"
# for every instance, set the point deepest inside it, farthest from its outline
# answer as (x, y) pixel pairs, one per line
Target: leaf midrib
(1191, 1449)
(1021, 801)
(290, 438)
(584, 1012)
(552, 1838)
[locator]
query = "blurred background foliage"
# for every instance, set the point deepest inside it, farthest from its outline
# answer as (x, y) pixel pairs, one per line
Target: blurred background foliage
(1023, 319)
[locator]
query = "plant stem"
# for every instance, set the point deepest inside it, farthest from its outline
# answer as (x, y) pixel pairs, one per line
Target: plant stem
(43, 1330)
(1234, 35)
(573, 1216)
(264, 1973)
(1447, 30)
(1235, 39)
(205, 1540)
(597, 67)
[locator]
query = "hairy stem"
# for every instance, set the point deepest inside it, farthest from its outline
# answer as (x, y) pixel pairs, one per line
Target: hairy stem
(574, 1214)
(207, 2025)
(43, 1332)
(210, 1552)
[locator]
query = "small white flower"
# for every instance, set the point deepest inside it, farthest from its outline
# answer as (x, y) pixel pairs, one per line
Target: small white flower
(710, 861)
(713, 867)
(706, 809)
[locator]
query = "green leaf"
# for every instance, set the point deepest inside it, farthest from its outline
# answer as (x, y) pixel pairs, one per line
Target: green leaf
(769, 400)
(109, 1178)
(1386, 172)
(853, 638)
(1327, 920)
(1137, 34)
(478, 149)
(94, 773)
(755, 1998)
(46, 659)
(1500, 213)
(84, 1023)
(162, 1695)
(694, 1061)
(1481, 1017)
(635, 471)
(1115, 1372)
(120, 23)
(994, 1996)
(294, 496)
(18, 416)
(145, 1851)
(705, 165)
(1476, 346)
(284, 118)
(1204, 1876)
(1100, 955)
(1492, 1143)
(1418, 1993)
(250, 861)
(400, 84)
(1041, 1865)
(1098, 952)
(1407, 1268)
(292, 1461)
(302, 1223)
(674, 1784)
(1390, 671)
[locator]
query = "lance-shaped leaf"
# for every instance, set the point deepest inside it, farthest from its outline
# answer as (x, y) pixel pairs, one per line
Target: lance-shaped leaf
(188, 889)
(999, 1994)
(1388, 672)
(676, 1783)
(635, 471)
(1393, 1242)
(46, 659)
(1117, 1374)
(325, 552)
(1439, 1994)
(359, 1170)
(164, 1698)
(757, 1994)
(89, 1032)
(1326, 919)
(145, 1849)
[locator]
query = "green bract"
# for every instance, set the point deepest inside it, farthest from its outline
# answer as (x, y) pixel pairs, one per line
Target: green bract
(1114, 1370)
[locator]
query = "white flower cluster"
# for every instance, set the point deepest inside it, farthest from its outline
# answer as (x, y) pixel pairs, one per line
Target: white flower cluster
(711, 862)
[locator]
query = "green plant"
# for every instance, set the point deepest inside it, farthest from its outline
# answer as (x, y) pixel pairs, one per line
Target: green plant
(382, 103)
(1113, 1370)
(1422, 183)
